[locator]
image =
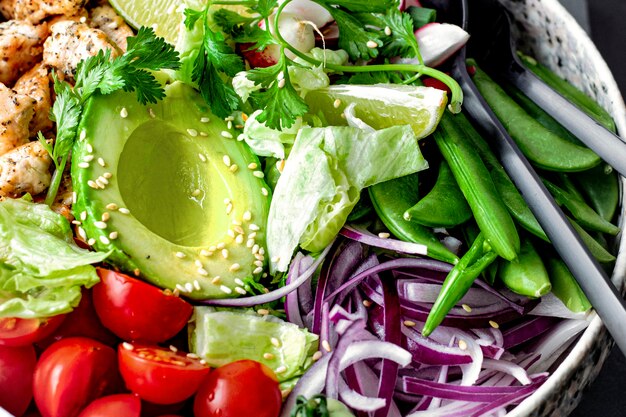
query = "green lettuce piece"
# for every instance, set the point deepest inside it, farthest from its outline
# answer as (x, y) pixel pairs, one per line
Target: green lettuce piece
(42, 270)
(322, 180)
(221, 336)
(265, 141)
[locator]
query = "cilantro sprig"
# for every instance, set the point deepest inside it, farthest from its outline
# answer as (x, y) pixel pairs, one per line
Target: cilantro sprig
(102, 74)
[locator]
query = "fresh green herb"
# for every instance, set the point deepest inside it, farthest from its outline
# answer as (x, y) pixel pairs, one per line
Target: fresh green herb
(354, 37)
(104, 75)
(399, 39)
(216, 60)
(313, 407)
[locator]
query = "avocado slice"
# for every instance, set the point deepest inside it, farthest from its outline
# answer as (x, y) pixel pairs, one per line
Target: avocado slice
(168, 190)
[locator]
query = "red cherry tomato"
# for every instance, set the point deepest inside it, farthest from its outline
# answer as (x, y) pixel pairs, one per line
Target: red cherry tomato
(137, 311)
(84, 322)
(119, 405)
(71, 373)
(160, 375)
(242, 388)
(435, 83)
(17, 365)
(23, 332)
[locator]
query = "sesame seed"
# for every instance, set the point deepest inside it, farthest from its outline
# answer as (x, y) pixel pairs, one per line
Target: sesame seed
(202, 361)
(263, 311)
(100, 225)
(107, 175)
(226, 134)
(494, 324)
(281, 83)
(409, 323)
(225, 253)
(231, 233)
(229, 125)
(202, 272)
(257, 270)
(101, 162)
(180, 255)
(91, 242)
(326, 345)
(227, 201)
(226, 160)
(192, 356)
(127, 346)
(105, 240)
(367, 303)
(262, 251)
(229, 208)
(387, 31)
(259, 257)
(105, 216)
(233, 168)
(225, 289)
(189, 286)
(254, 227)
(467, 308)
(192, 132)
(252, 235)
(462, 344)
(256, 248)
(204, 134)
(384, 235)
(220, 246)
(317, 356)
(247, 216)
(83, 165)
(89, 148)
(205, 253)
(229, 119)
(92, 184)
(137, 272)
(280, 76)
(275, 342)
(250, 244)
(239, 239)
(202, 157)
(275, 259)
(281, 369)
(280, 165)
(216, 280)
(151, 112)
(236, 222)
(83, 215)
(173, 348)
(123, 210)
(258, 263)
(252, 165)
(264, 191)
(83, 135)
(234, 267)
(238, 229)
(337, 103)
(371, 44)
(240, 290)
(238, 281)
(204, 120)
(81, 232)
(74, 197)
(83, 19)
(196, 192)
(76, 222)
(123, 113)
(113, 235)
(258, 174)
(198, 263)
(99, 183)
(196, 285)
(180, 288)
(88, 158)
(268, 356)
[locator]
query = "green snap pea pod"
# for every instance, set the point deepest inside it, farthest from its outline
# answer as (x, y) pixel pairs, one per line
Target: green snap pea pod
(541, 146)
(459, 280)
(390, 200)
(565, 287)
(584, 215)
(470, 233)
(474, 180)
(566, 182)
(527, 275)
(601, 187)
(573, 94)
(597, 250)
(444, 205)
(362, 209)
(539, 114)
(510, 195)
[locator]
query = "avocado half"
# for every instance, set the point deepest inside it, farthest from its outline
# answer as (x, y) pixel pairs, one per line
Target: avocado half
(167, 189)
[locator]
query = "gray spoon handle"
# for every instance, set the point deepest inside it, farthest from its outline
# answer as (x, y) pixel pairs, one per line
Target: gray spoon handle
(608, 146)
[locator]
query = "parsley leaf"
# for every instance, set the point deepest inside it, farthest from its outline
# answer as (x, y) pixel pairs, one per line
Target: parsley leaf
(265, 7)
(401, 41)
(66, 112)
(279, 100)
(353, 38)
(243, 29)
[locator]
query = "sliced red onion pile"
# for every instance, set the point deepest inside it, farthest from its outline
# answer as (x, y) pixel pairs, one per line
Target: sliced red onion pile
(369, 307)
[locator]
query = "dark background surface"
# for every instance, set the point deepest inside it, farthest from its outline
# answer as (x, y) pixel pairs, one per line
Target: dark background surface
(606, 397)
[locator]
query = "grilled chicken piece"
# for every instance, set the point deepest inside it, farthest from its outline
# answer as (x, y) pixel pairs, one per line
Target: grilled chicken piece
(21, 45)
(107, 20)
(36, 10)
(16, 112)
(70, 42)
(25, 169)
(36, 85)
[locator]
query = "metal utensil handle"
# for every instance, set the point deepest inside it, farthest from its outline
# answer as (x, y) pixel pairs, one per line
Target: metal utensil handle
(607, 145)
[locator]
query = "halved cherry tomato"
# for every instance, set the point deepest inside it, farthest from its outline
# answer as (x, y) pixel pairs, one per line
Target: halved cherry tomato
(17, 365)
(73, 372)
(118, 405)
(84, 322)
(241, 388)
(160, 375)
(137, 311)
(23, 332)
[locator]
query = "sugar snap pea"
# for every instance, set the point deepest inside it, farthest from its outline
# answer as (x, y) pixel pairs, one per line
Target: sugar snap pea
(565, 287)
(526, 275)
(597, 250)
(601, 187)
(362, 209)
(541, 146)
(391, 199)
(459, 280)
(475, 182)
(573, 94)
(444, 205)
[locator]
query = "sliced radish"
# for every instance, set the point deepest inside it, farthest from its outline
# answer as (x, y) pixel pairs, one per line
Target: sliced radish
(296, 31)
(405, 4)
(309, 10)
(265, 58)
(439, 41)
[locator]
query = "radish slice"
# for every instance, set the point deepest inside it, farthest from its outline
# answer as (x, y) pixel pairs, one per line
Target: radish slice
(405, 4)
(309, 10)
(439, 41)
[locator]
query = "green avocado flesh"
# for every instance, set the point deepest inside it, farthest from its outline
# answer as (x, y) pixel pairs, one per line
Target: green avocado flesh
(181, 205)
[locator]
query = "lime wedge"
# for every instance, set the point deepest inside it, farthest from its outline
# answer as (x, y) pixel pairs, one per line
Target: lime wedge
(162, 15)
(381, 105)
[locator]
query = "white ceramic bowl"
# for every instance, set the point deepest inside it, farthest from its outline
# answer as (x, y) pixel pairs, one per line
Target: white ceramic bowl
(548, 32)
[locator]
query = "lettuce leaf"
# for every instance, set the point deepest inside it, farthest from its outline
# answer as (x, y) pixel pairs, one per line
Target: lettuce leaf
(323, 177)
(42, 270)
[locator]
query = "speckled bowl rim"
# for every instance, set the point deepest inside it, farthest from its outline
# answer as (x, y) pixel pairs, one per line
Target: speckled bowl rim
(591, 335)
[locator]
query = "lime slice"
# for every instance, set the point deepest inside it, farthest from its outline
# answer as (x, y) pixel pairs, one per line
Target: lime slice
(381, 105)
(163, 16)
